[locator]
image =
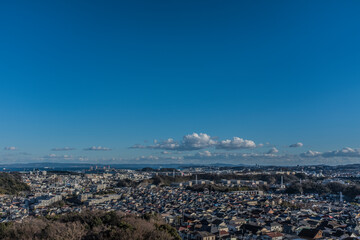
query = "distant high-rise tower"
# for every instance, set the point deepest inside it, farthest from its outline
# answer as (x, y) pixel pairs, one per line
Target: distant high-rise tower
(196, 182)
(341, 197)
(282, 182)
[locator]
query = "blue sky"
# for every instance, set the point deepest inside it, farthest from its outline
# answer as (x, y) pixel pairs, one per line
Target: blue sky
(119, 73)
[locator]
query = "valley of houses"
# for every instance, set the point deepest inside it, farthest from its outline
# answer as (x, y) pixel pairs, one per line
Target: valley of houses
(196, 215)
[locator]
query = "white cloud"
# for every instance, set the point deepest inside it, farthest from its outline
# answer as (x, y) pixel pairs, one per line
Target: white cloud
(345, 152)
(273, 151)
(139, 146)
(64, 157)
(310, 154)
(54, 156)
(228, 157)
(197, 141)
(168, 144)
(10, 148)
(158, 159)
(235, 143)
(295, 145)
(98, 148)
(63, 149)
(204, 153)
(189, 142)
(151, 157)
(272, 157)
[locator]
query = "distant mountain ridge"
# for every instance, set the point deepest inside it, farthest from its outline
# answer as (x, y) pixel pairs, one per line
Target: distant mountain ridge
(52, 165)
(80, 166)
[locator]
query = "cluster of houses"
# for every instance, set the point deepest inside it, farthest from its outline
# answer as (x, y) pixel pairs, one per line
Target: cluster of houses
(208, 215)
(241, 215)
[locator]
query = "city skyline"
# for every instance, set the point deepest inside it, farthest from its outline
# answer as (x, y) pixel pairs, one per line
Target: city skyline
(180, 82)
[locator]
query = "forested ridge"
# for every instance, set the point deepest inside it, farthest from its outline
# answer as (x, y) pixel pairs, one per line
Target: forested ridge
(11, 183)
(90, 225)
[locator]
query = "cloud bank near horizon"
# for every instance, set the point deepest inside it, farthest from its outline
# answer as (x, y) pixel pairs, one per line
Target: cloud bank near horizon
(296, 145)
(97, 148)
(12, 148)
(197, 141)
(63, 149)
(202, 141)
(199, 148)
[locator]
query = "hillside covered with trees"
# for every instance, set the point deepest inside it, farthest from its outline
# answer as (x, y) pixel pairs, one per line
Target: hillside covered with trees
(349, 191)
(11, 183)
(90, 225)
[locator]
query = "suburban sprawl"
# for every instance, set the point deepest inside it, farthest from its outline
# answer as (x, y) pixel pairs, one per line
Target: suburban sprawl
(197, 202)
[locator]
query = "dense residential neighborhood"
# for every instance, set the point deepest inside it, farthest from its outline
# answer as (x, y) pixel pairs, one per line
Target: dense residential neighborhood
(197, 208)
